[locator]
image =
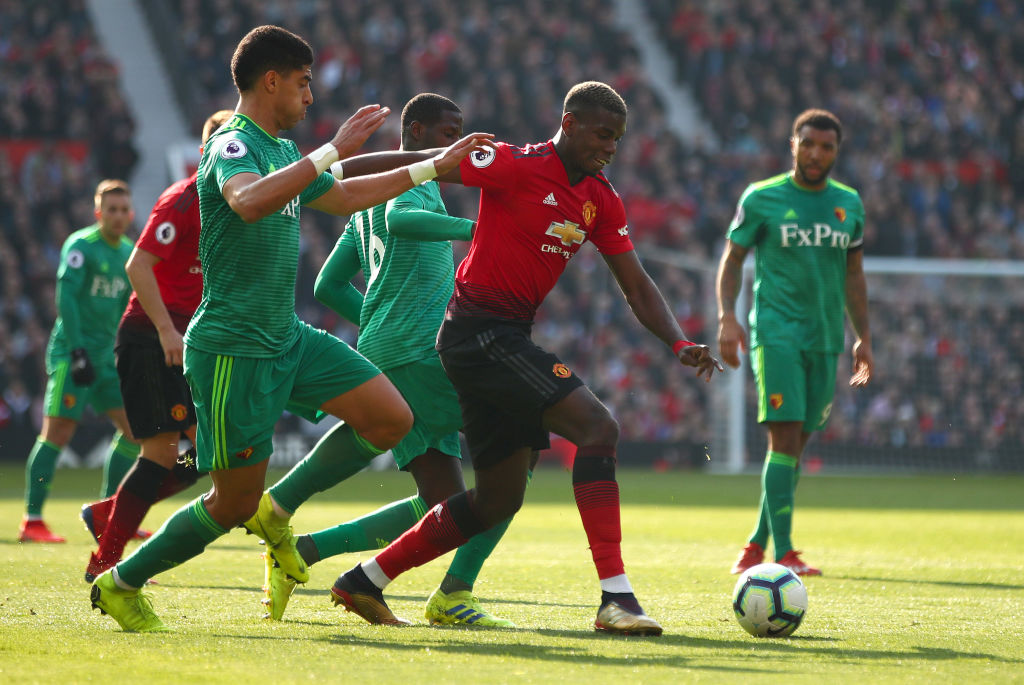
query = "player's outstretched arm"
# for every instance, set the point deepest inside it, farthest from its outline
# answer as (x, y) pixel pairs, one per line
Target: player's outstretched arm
(731, 335)
(354, 194)
(653, 312)
(333, 286)
(857, 310)
(253, 197)
(140, 273)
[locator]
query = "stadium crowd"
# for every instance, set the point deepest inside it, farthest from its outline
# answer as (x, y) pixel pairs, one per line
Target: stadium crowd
(931, 94)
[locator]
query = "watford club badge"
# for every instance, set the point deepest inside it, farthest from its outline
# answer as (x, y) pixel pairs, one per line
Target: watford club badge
(775, 399)
(840, 214)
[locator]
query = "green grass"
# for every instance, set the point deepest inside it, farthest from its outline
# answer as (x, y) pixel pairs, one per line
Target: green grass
(924, 583)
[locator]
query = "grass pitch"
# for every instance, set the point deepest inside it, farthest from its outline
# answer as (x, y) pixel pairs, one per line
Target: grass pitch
(924, 582)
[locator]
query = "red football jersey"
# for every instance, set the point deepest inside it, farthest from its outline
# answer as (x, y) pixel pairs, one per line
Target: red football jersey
(172, 234)
(531, 223)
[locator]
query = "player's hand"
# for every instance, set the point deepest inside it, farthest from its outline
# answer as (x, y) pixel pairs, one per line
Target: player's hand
(82, 372)
(731, 338)
(700, 357)
(863, 364)
(360, 126)
(173, 346)
(457, 151)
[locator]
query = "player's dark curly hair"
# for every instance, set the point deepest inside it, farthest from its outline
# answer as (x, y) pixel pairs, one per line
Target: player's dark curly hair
(591, 95)
(426, 108)
(821, 119)
(268, 48)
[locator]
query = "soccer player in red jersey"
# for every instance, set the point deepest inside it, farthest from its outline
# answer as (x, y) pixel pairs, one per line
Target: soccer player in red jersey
(165, 272)
(538, 205)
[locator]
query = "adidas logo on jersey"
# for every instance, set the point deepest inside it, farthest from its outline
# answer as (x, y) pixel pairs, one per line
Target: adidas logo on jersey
(550, 200)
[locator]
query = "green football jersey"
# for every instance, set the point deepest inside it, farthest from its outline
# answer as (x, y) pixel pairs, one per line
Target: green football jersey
(408, 282)
(800, 239)
(249, 270)
(92, 293)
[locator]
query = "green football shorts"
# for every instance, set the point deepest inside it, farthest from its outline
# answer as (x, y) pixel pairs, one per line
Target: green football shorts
(437, 417)
(794, 385)
(67, 400)
(239, 399)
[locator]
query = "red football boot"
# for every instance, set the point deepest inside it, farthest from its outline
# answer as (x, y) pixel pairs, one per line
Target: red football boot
(95, 516)
(751, 555)
(794, 563)
(34, 530)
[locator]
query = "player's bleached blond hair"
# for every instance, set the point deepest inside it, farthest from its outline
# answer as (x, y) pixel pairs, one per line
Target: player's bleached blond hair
(215, 121)
(594, 95)
(110, 186)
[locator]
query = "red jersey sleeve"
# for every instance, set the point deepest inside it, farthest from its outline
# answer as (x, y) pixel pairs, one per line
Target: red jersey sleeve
(168, 225)
(611, 235)
(490, 169)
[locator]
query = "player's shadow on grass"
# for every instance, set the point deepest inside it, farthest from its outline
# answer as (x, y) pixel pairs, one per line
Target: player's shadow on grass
(525, 650)
(943, 583)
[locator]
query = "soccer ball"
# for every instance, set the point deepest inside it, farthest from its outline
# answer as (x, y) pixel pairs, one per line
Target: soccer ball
(769, 600)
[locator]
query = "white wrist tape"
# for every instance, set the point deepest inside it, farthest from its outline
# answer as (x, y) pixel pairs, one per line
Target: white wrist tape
(423, 171)
(323, 157)
(337, 171)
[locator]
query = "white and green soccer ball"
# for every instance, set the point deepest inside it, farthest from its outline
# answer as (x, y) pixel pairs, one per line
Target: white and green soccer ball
(769, 600)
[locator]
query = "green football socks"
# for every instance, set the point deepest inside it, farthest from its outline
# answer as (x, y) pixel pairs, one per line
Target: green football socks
(42, 462)
(778, 484)
(340, 453)
(470, 557)
(373, 531)
(122, 455)
(184, 535)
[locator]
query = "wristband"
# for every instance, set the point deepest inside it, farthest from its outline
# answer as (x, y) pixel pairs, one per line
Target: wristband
(678, 345)
(323, 157)
(337, 171)
(421, 172)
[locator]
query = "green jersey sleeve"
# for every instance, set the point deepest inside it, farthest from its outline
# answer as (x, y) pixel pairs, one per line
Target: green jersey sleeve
(408, 216)
(333, 284)
(71, 277)
(231, 156)
(318, 187)
(747, 224)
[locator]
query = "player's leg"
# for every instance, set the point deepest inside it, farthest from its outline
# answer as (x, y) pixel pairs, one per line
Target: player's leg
(105, 397)
(39, 471)
(154, 473)
(238, 401)
(454, 601)
(583, 420)
(820, 373)
(121, 455)
(330, 378)
(497, 496)
(502, 433)
(63, 404)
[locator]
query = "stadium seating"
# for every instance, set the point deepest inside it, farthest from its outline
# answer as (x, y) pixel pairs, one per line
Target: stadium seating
(932, 98)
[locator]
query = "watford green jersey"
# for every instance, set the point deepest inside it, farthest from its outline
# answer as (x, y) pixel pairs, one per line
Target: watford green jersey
(249, 270)
(92, 293)
(404, 251)
(800, 239)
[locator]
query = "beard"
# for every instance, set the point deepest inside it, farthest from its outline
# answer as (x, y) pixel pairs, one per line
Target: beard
(801, 173)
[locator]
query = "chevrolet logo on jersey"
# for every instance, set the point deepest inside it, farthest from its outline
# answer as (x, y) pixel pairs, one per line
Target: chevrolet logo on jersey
(569, 233)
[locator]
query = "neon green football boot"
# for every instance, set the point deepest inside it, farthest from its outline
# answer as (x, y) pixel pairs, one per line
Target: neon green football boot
(130, 608)
(276, 532)
(278, 587)
(463, 608)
